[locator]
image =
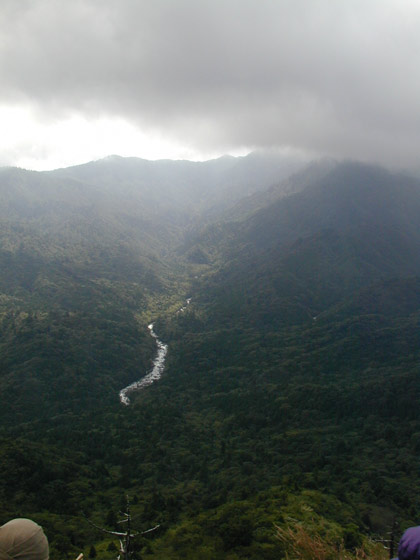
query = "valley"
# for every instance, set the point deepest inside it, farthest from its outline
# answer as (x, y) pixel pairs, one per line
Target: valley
(264, 419)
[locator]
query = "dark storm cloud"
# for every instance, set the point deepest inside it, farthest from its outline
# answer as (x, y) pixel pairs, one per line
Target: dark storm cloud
(340, 78)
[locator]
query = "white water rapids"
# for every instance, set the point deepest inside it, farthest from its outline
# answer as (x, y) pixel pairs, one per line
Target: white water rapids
(158, 364)
(153, 375)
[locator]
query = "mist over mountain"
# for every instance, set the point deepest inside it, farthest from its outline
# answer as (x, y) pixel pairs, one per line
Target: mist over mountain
(291, 380)
(178, 189)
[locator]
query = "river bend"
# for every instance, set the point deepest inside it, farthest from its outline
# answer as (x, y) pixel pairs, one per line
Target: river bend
(153, 375)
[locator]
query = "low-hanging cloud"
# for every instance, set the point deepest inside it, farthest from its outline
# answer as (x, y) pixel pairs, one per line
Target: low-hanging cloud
(336, 78)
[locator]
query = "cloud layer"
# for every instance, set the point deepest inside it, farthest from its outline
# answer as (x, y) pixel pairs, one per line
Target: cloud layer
(336, 78)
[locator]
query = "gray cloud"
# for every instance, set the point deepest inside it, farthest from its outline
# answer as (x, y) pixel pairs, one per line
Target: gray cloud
(340, 78)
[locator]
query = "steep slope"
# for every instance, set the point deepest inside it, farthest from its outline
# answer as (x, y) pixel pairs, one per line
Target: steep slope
(296, 182)
(350, 197)
(302, 350)
(303, 253)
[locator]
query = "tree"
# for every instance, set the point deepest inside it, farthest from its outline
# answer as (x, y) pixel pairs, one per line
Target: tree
(126, 538)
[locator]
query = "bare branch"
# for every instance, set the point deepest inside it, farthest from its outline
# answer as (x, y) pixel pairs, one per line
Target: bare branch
(126, 537)
(115, 533)
(150, 530)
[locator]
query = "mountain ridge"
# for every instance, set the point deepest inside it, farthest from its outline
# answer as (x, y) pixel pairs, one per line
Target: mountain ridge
(291, 379)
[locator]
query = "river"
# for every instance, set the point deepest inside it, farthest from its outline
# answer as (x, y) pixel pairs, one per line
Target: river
(153, 375)
(158, 364)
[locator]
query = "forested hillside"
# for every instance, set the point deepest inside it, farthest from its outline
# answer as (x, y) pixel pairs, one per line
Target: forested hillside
(288, 407)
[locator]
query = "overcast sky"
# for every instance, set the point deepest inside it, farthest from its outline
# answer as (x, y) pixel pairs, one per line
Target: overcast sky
(193, 79)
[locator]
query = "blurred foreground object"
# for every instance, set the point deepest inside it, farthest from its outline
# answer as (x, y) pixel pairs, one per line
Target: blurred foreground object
(409, 547)
(23, 539)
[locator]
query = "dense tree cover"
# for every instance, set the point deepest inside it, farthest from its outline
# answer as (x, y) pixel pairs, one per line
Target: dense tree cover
(290, 397)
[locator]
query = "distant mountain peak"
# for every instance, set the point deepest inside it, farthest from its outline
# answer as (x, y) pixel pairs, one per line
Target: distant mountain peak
(112, 157)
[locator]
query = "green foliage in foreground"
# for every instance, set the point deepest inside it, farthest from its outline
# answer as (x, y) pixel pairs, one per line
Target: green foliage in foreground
(249, 528)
